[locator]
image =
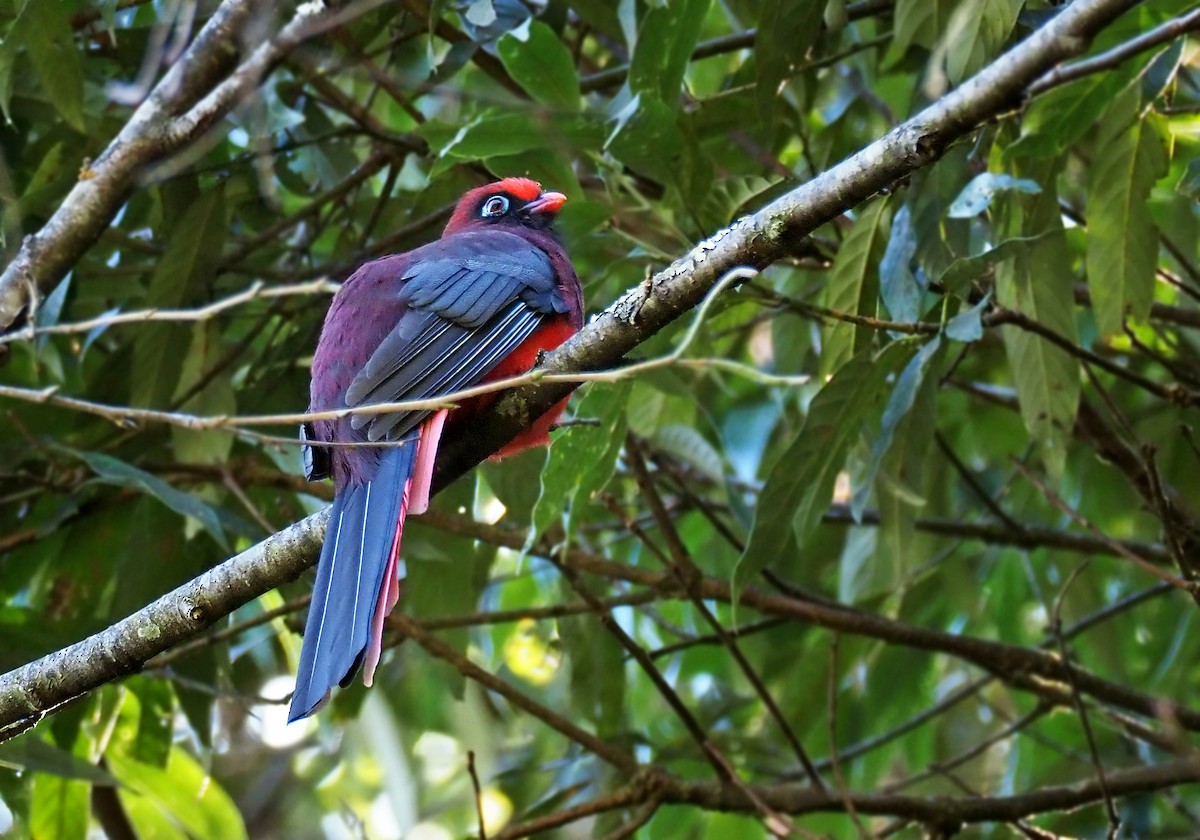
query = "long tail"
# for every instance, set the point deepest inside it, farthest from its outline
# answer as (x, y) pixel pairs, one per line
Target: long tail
(358, 575)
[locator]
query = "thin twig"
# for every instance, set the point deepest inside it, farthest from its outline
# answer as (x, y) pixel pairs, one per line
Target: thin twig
(1082, 521)
(1114, 819)
(478, 793)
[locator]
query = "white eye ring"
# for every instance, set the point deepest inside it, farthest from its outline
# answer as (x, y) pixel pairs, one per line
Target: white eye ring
(497, 205)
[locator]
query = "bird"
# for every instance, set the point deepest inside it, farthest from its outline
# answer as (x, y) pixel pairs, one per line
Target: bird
(480, 303)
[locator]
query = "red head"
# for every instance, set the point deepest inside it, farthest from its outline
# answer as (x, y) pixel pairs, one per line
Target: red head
(511, 201)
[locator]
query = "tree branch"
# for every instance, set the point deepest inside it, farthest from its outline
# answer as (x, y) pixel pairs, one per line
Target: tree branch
(198, 90)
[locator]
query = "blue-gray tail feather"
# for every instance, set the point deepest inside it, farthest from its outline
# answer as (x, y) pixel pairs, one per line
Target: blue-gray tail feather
(358, 544)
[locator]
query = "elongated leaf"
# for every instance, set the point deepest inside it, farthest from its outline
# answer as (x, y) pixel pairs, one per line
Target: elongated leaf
(853, 287)
(51, 309)
(786, 29)
(116, 471)
(647, 139)
(592, 652)
(974, 35)
(182, 791)
(729, 198)
(204, 446)
(446, 575)
(1038, 283)
(1058, 119)
(191, 256)
(59, 810)
(1162, 71)
(900, 494)
(541, 63)
(919, 23)
(1122, 248)
(800, 486)
(31, 753)
(156, 702)
(45, 30)
(666, 35)
(955, 279)
(898, 286)
(583, 458)
(903, 395)
(1189, 182)
(493, 134)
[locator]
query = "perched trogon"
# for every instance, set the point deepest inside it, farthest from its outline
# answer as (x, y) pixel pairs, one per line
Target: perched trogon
(478, 304)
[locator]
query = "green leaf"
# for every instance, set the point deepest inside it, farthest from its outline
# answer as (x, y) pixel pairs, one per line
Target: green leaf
(29, 752)
(963, 271)
(190, 260)
(183, 791)
(541, 63)
(582, 458)
(665, 39)
(1038, 283)
(59, 809)
(975, 34)
(688, 445)
(115, 471)
(919, 23)
(447, 574)
(156, 707)
(1058, 119)
(728, 198)
(900, 495)
(495, 134)
(592, 652)
(853, 287)
(204, 446)
(1161, 71)
(903, 395)
(800, 486)
(646, 138)
(45, 30)
(977, 195)
(51, 309)
(1122, 242)
(1189, 182)
(786, 30)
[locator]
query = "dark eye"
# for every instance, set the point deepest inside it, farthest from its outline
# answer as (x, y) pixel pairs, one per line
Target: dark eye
(497, 205)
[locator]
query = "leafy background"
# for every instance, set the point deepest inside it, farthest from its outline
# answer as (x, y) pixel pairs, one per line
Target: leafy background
(992, 371)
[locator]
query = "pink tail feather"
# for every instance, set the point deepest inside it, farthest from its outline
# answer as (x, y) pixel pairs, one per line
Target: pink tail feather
(431, 435)
(415, 501)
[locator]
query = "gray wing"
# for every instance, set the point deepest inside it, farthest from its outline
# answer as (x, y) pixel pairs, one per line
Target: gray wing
(471, 300)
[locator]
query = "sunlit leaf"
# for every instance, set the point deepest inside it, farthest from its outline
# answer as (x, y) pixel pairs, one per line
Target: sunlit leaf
(182, 792)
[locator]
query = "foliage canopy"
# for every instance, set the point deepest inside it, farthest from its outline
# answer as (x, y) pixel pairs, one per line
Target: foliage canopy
(991, 369)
